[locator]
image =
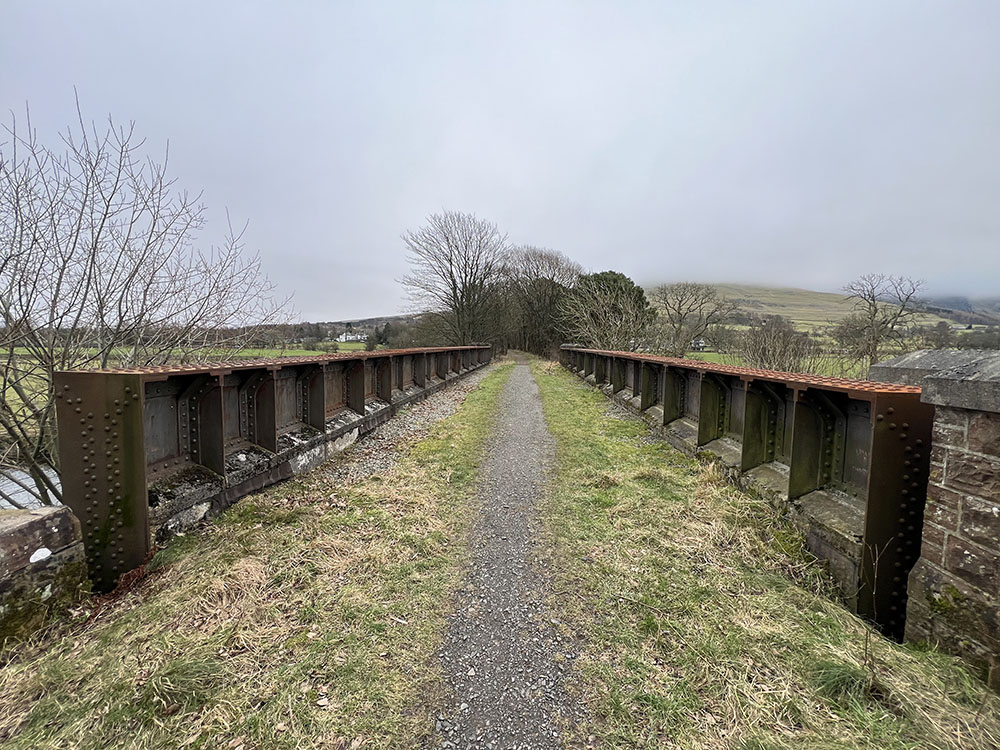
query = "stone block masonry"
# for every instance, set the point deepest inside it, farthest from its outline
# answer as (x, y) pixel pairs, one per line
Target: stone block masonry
(42, 567)
(955, 585)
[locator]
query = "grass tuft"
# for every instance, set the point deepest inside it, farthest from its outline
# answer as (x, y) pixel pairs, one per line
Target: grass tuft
(706, 623)
(306, 616)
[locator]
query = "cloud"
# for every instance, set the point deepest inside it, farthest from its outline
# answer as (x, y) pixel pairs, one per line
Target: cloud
(776, 143)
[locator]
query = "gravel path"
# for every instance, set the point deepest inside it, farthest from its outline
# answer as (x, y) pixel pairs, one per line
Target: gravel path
(379, 450)
(504, 656)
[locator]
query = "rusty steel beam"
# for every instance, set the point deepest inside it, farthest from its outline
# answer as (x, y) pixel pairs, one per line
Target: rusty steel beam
(144, 449)
(855, 451)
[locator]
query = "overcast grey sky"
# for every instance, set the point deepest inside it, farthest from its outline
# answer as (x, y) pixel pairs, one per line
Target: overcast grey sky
(785, 143)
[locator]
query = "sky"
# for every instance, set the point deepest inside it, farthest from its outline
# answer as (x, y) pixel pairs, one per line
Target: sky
(776, 143)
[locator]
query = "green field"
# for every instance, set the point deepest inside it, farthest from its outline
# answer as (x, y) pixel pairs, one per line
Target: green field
(828, 365)
(348, 346)
(809, 310)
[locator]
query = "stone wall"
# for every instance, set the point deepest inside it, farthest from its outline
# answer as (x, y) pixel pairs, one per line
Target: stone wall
(954, 589)
(42, 567)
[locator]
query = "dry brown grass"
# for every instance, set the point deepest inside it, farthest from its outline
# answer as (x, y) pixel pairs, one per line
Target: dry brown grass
(306, 616)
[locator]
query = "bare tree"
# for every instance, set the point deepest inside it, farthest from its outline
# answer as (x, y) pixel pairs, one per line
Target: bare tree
(687, 311)
(606, 311)
(458, 267)
(99, 268)
(540, 279)
(772, 343)
(881, 323)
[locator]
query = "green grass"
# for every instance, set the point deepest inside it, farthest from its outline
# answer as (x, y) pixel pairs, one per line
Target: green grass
(306, 616)
(346, 346)
(706, 624)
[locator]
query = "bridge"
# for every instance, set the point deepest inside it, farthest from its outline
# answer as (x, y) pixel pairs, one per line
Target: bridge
(861, 469)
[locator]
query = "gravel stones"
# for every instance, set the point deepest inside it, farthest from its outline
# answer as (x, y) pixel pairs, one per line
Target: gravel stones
(505, 656)
(378, 451)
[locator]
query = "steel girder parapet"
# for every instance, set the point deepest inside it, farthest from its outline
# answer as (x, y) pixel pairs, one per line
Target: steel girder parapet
(383, 379)
(713, 410)
(651, 389)
(894, 514)
(420, 370)
(618, 372)
(766, 406)
(674, 394)
(136, 447)
(312, 392)
(103, 469)
(818, 442)
(851, 453)
(354, 374)
(601, 370)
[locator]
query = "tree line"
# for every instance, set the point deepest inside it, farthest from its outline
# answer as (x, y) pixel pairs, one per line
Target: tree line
(475, 286)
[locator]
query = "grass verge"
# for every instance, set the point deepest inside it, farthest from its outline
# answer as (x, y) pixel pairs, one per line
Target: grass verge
(703, 618)
(306, 616)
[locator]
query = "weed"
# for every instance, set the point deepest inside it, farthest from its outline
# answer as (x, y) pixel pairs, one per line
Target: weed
(704, 617)
(293, 621)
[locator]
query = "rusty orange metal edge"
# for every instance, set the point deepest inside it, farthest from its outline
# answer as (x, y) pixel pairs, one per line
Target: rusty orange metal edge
(790, 378)
(250, 364)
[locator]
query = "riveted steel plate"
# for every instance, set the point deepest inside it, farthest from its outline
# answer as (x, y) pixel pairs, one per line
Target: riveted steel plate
(103, 469)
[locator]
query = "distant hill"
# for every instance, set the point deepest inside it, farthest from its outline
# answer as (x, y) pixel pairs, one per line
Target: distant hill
(808, 309)
(975, 310)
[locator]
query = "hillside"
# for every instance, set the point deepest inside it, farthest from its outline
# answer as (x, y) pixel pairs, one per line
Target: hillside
(806, 308)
